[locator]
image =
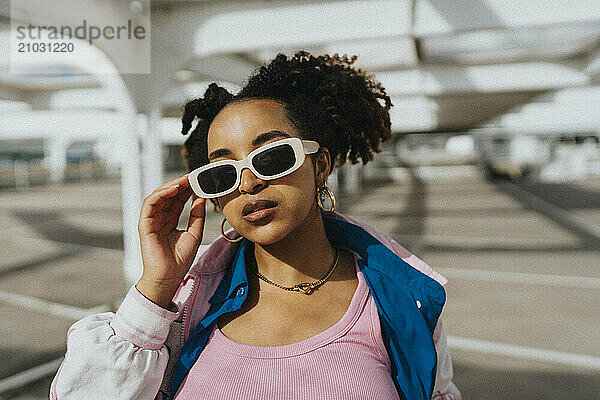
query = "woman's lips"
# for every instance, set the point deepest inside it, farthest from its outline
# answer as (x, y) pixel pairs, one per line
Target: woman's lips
(259, 209)
(259, 214)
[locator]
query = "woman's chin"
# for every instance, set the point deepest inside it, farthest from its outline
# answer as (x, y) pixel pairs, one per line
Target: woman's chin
(273, 227)
(266, 234)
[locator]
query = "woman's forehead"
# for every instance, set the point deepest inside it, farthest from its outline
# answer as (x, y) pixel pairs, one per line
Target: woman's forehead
(240, 122)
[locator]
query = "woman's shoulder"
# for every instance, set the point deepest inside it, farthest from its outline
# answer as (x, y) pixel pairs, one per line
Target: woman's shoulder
(395, 247)
(376, 233)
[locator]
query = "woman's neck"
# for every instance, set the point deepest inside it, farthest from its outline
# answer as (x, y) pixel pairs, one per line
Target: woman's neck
(303, 255)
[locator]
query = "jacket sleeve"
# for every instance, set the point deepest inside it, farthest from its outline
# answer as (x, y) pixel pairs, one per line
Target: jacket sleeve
(116, 356)
(444, 388)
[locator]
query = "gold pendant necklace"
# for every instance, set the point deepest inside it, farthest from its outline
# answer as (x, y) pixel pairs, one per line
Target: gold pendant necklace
(305, 287)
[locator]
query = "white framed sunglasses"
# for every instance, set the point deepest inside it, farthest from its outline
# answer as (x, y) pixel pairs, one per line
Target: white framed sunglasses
(271, 161)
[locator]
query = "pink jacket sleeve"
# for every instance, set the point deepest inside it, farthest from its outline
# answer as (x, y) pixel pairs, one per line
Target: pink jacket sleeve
(444, 388)
(116, 356)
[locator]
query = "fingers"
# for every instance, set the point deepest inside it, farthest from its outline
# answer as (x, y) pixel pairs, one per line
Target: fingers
(183, 194)
(162, 208)
(155, 201)
(162, 197)
(197, 214)
(176, 204)
(181, 181)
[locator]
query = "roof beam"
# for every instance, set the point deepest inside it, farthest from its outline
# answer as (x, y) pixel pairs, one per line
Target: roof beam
(303, 25)
(550, 120)
(456, 112)
(434, 17)
(377, 54)
(449, 80)
(82, 125)
(568, 110)
(50, 83)
(593, 67)
(222, 67)
(309, 25)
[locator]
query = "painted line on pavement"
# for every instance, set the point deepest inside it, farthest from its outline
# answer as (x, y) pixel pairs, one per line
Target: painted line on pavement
(572, 222)
(566, 281)
(99, 251)
(524, 352)
(479, 242)
(48, 307)
(24, 378)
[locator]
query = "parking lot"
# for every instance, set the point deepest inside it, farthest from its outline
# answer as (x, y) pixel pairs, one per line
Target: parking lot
(522, 263)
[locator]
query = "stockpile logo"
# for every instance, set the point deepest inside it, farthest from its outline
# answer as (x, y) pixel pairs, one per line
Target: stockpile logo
(86, 36)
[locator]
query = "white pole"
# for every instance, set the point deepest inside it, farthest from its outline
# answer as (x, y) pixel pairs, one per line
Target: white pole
(56, 157)
(353, 178)
(153, 161)
(131, 190)
(96, 62)
(128, 147)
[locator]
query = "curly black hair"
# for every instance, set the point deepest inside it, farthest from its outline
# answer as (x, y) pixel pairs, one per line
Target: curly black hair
(325, 97)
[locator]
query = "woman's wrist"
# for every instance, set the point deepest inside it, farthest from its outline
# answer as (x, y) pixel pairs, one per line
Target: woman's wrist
(160, 293)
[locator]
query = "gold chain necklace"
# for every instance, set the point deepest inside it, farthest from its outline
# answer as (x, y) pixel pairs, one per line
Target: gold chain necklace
(305, 287)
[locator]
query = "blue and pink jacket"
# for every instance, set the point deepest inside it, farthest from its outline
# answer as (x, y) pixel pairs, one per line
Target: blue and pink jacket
(144, 351)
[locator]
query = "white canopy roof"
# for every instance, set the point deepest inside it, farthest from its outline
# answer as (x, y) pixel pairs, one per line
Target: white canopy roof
(448, 65)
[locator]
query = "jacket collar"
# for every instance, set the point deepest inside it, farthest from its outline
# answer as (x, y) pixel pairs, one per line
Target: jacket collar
(378, 259)
(236, 277)
(219, 255)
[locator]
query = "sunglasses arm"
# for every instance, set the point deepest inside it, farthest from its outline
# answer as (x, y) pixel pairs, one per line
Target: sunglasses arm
(310, 146)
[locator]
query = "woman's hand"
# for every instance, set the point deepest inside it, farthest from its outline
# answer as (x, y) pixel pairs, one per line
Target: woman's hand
(167, 253)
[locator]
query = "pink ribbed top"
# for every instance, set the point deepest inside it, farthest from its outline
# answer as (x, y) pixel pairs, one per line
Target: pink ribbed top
(346, 361)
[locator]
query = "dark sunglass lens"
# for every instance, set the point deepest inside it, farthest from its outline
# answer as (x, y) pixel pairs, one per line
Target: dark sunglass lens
(274, 160)
(217, 179)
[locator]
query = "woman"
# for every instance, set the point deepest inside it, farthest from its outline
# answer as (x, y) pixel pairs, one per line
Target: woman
(296, 301)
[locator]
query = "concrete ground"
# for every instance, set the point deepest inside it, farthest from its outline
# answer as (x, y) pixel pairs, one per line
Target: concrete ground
(522, 263)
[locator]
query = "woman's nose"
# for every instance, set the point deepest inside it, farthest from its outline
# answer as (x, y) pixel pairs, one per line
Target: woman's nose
(249, 183)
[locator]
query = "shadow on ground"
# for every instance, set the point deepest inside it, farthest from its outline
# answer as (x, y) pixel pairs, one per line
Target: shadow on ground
(19, 359)
(490, 384)
(52, 226)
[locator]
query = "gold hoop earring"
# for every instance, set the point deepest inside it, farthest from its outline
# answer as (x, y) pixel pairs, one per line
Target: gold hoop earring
(325, 199)
(225, 236)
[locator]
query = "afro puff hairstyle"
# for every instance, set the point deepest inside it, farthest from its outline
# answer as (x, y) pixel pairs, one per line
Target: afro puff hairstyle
(328, 99)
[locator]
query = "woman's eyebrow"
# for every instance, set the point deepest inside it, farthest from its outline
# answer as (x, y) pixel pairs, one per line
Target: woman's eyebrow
(218, 153)
(262, 138)
(265, 137)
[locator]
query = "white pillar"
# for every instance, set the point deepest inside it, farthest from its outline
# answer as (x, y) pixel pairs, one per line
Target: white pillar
(370, 171)
(131, 189)
(55, 157)
(353, 178)
(128, 147)
(152, 160)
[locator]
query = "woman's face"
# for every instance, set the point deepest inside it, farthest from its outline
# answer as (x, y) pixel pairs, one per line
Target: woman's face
(284, 203)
